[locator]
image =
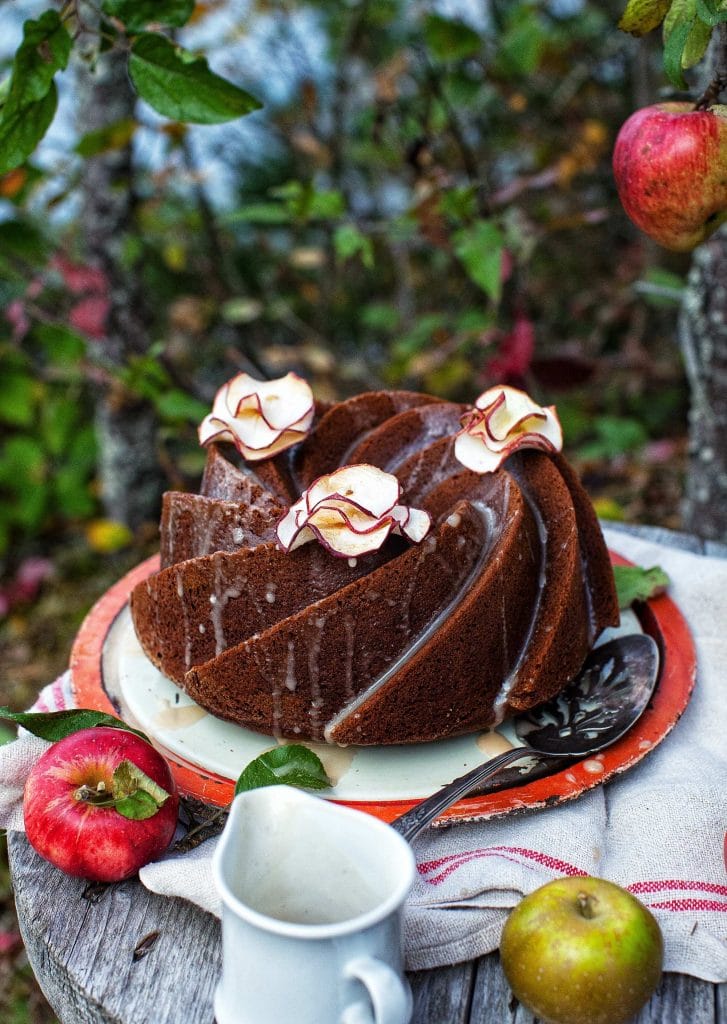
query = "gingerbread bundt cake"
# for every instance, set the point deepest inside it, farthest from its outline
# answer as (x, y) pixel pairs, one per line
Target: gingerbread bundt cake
(451, 573)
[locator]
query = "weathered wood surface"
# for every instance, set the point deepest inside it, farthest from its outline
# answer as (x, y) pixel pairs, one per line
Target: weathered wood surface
(82, 946)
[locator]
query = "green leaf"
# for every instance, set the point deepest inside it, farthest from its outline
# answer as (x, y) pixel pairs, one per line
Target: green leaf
(30, 506)
(135, 14)
(290, 765)
(712, 12)
(636, 584)
(17, 404)
(614, 436)
(696, 44)
(22, 459)
(111, 136)
(480, 249)
(660, 287)
(178, 405)
(138, 806)
(128, 777)
(673, 52)
(58, 417)
(136, 796)
(5, 90)
(348, 242)
(327, 204)
(685, 40)
(450, 39)
(71, 492)
(304, 202)
(181, 86)
(641, 16)
(45, 49)
(6, 735)
(521, 45)
(23, 241)
(62, 346)
(380, 316)
(55, 725)
(22, 128)
(31, 96)
(82, 449)
(459, 203)
(260, 213)
(420, 336)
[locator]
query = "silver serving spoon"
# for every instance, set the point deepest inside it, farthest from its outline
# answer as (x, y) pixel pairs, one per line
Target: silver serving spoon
(596, 708)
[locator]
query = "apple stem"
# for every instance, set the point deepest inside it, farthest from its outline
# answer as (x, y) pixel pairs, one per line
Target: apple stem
(586, 904)
(96, 795)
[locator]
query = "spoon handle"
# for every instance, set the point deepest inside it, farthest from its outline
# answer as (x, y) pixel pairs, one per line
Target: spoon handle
(410, 824)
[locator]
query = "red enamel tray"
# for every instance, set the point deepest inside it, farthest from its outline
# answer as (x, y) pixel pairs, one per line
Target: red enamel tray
(195, 748)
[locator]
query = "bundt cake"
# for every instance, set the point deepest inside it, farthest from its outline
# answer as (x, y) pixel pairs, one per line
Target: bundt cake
(451, 573)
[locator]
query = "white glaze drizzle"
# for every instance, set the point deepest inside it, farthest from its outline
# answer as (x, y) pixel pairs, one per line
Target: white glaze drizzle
(490, 521)
(511, 679)
(185, 621)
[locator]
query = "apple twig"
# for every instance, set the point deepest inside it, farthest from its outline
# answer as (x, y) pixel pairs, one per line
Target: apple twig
(198, 831)
(718, 82)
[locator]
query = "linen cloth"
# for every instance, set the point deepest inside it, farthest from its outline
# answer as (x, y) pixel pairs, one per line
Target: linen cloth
(658, 829)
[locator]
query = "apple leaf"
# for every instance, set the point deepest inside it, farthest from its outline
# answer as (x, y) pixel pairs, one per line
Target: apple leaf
(480, 248)
(674, 47)
(55, 725)
(137, 806)
(450, 38)
(45, 49)
(29, 97)
(348, 241)
(712, 12)
(111, 136)
(289, 765)
(135, 795)
(135, 14)
(642, 16)
(696, 45)
(686, 37)
(633, 583)
(22, 128)
(181, 86)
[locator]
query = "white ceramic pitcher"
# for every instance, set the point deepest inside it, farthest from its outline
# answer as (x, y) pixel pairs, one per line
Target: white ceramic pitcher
(312, 895)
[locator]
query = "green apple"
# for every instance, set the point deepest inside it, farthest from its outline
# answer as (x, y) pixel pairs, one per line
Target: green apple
(582, 951)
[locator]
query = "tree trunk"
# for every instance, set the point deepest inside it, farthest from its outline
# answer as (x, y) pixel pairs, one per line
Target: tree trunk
(131, 480)
(703, 337)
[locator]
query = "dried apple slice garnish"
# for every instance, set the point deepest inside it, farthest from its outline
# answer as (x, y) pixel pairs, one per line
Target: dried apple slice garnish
(261, 418)
(351, 512)
(504, 420)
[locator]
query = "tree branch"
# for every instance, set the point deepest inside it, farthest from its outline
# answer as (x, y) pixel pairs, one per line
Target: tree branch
(718, 82)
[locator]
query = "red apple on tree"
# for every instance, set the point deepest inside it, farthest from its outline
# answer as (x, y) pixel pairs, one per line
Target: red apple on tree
(670, 165)
(582, 951)
(100, 803)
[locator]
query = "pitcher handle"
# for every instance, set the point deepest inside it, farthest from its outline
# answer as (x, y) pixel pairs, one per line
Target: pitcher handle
(389, 994)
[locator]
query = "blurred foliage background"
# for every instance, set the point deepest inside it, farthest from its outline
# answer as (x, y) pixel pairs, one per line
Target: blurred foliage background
(424, 201)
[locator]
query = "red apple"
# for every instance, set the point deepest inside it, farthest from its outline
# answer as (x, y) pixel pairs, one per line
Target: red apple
(100, 803)
(670, 164)
(582, 951)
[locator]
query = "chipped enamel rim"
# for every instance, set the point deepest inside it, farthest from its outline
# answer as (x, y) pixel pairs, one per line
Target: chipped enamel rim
(661, 618)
